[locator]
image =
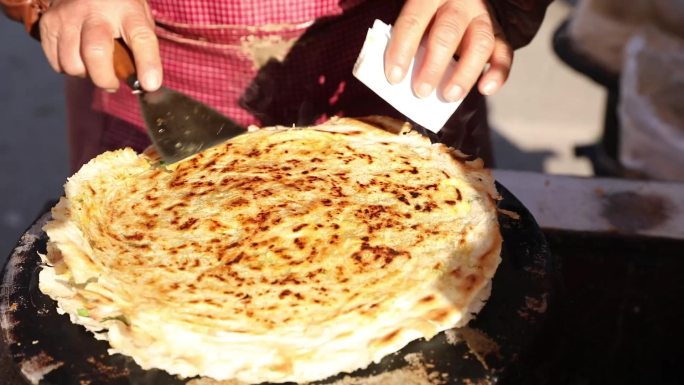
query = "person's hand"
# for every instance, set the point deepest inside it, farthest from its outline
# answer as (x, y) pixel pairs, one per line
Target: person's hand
(462, 27)
(78, 39)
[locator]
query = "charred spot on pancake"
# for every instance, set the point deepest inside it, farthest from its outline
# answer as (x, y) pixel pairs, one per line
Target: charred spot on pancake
(134, 237)
(429, 206)
(299, 227)
(403, 200)
(188, 224)
(469, 282)
(236, 259)
(439, 315)
(334, 239)
(300, 243)
(387, 338)
(427, 299)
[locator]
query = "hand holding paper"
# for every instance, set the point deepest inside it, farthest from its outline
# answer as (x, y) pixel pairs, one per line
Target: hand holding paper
(467, 28)
(421, 46)
(431, 112)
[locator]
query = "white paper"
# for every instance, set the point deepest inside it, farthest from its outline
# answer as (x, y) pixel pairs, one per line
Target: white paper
(431, 112)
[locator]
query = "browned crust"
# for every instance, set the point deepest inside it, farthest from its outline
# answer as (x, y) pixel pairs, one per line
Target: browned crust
(336, 223)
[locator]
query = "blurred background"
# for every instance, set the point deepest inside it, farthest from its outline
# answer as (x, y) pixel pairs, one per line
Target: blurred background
(560, 101)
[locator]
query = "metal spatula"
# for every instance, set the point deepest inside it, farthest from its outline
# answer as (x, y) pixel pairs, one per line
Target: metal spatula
(178, 125)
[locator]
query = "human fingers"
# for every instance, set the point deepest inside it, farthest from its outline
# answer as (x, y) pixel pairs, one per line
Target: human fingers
(499, 67)
(407, 33)
(475, 51)
(138, 33)
(49, 38)
(97, 48)
(443, 39)
(69, 51)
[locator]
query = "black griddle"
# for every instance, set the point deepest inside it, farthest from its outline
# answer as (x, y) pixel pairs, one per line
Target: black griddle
(492, 349)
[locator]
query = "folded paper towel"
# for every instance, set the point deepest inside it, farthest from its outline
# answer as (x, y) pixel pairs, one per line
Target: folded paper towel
(431, 112)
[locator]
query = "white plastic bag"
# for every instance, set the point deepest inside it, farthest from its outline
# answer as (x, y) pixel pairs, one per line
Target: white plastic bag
(651, 108)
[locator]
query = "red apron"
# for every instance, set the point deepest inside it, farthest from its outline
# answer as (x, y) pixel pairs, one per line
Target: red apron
(213, 50)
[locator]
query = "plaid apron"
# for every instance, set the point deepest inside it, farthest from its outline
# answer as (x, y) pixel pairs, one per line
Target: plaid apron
(213, 50)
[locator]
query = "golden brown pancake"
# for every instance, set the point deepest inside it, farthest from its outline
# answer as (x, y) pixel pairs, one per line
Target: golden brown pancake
(285, 254)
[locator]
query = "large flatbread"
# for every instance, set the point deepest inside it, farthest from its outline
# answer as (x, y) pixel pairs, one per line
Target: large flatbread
(285, 254)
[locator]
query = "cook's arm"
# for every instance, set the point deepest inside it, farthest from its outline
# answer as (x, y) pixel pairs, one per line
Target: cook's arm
(24, 11)
(520, 19)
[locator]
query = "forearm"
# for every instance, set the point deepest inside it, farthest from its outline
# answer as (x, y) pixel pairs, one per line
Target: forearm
(520, 19)
(24, 11)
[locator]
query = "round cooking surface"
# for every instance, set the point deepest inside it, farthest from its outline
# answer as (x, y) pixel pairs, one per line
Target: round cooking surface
(49, 350)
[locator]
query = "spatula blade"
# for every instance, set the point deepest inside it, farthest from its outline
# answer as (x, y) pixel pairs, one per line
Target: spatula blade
(180, 126)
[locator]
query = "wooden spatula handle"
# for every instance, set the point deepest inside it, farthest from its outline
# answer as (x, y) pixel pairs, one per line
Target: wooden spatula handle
(124, 67)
